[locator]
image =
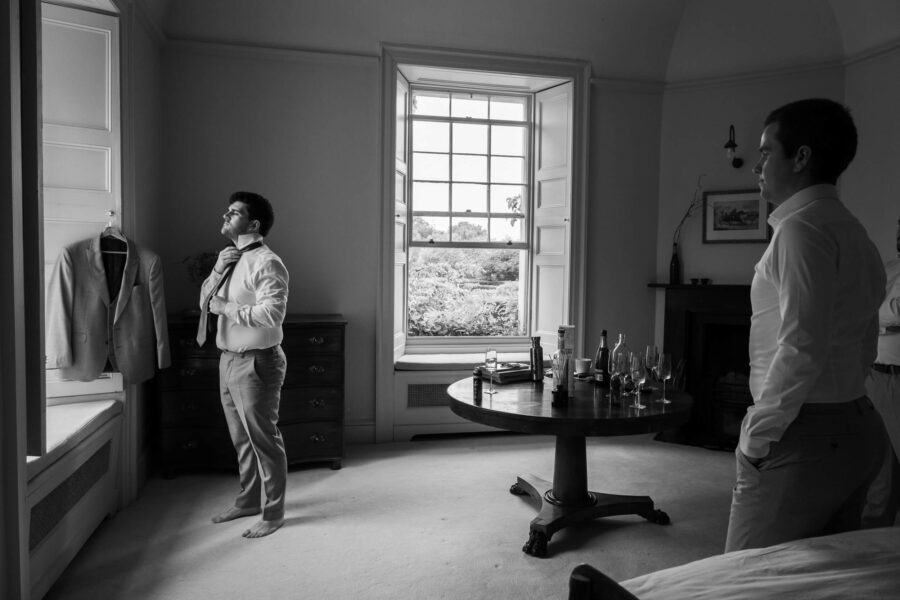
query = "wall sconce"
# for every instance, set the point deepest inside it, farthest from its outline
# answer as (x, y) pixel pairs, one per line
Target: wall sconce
(730, 147)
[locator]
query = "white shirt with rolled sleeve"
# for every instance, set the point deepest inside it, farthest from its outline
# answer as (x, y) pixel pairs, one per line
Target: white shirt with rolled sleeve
(815, 297)
(256, 296)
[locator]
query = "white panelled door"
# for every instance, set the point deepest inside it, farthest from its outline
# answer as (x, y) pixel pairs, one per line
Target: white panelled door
(81, 142)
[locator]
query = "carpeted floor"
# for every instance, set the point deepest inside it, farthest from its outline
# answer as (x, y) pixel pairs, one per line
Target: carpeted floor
(420, 520)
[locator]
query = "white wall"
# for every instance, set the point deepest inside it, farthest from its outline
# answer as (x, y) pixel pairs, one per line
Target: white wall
(871, 187)
(302, 130)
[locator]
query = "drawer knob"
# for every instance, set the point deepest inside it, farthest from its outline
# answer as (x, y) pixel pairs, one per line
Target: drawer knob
(317, 340)
(187, 372)
(317, 402)
(317, 369)
(190, 445)
(317, 438)
(188, 406)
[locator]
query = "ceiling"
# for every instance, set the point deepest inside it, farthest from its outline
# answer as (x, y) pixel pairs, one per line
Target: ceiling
(646, 40)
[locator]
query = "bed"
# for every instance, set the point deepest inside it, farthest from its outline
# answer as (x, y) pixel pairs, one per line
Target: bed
(857, 564)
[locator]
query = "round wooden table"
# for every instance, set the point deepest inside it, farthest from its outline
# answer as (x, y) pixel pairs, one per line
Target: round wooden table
(527, 408)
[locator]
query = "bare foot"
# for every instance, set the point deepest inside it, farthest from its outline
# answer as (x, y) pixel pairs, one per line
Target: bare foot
(234, 513)
(263, 528)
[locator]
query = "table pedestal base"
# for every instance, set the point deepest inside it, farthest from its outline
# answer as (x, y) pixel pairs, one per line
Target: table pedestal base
(567, 501)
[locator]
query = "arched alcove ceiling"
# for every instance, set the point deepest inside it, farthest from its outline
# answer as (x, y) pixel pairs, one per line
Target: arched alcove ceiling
(668, 41)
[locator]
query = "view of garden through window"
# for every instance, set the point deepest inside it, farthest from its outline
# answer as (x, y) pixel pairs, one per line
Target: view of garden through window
(468, 246)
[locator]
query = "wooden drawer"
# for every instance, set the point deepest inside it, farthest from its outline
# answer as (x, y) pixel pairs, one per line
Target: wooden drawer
(314, 370)
(197, 373)
(186, 447)
(312, 441)
(310, 404)
(188, 407)
(314, 340)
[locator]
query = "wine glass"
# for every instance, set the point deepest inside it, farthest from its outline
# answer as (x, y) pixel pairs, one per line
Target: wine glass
(638, 376)
(664, 372)
(490, 364)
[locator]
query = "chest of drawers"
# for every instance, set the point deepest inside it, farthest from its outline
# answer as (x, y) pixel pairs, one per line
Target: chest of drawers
(192, 432)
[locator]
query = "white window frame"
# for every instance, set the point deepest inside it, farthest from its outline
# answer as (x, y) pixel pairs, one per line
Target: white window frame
(517, 69)
(427, 344)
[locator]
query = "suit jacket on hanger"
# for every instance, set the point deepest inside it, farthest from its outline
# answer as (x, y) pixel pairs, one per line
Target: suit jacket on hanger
(79, 312)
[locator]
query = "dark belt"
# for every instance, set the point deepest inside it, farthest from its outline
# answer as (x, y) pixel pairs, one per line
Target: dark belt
(270, 351)
(892, 369)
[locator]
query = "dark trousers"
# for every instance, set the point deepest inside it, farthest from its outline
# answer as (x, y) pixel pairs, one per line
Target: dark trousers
(250, 388)
(813, 481)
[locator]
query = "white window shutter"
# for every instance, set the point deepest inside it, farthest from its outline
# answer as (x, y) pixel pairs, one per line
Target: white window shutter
(552, 226)
(401, 173)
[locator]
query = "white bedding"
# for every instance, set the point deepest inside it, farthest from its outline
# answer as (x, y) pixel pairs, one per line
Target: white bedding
(848, 566)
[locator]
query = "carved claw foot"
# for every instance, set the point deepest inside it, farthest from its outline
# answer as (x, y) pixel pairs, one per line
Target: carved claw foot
(536, 544)
(657, 516)
(517, 490)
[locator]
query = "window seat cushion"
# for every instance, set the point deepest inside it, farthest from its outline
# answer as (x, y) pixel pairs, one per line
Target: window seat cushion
(453, 362)
(70, 424)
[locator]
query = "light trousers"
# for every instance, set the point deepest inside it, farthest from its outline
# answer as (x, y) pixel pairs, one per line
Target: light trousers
(813, 481)
(883, 498)
(250, 389)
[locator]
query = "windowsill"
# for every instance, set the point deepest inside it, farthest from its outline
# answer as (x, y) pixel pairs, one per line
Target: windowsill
(70, 424)
(437, 361)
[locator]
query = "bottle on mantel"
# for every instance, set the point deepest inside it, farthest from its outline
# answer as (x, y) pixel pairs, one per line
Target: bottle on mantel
(601, 363)
(675, 267)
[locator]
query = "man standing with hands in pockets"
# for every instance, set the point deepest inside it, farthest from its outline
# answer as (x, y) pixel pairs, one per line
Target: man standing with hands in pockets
(811, 442)
(248, 290)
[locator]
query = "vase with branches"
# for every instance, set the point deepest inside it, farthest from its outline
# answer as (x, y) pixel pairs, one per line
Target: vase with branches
(675, 262)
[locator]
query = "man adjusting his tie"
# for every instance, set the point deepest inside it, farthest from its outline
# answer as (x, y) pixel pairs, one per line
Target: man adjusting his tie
(248, 290)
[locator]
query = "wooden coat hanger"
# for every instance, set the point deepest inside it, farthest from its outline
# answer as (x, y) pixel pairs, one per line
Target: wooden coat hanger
(113, 232)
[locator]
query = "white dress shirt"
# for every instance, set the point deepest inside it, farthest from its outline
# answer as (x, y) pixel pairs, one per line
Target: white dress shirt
(889, 317)
(255, 299)
(815, 297)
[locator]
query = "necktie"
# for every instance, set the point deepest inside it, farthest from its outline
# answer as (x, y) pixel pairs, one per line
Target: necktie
(204, 312)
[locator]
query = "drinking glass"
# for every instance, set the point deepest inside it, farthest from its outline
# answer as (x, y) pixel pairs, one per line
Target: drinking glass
(664, 372)
(638, 377)
(651, 359)
(490, 364)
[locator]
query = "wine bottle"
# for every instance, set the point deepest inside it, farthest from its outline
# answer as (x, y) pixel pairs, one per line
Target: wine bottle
(601, 363)
(537, 360)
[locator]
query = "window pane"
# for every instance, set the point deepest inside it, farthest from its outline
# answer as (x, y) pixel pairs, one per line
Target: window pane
(430, 196)
(508, 230)
(431, 228)
(472, 106)
(432, 104)
(508, 109)
(431, 137)
(508, 139)
(469, 229)
(507, 170)
(469, 168)
(507, 198)
(469, 197)
(431, 166)
(464, 291)
(470, 139)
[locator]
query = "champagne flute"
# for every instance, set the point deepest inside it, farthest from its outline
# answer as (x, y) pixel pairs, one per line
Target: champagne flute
(638, 376)
(664, 372)
(490, 364)
(651, 359)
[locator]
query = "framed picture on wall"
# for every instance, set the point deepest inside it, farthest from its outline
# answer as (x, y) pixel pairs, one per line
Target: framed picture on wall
(735, 217)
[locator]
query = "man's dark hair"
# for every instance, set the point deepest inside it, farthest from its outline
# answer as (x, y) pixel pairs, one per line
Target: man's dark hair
(825, 126)
(258, 209)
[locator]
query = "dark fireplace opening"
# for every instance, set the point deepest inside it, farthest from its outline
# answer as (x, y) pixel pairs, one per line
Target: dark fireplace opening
(707, 331)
